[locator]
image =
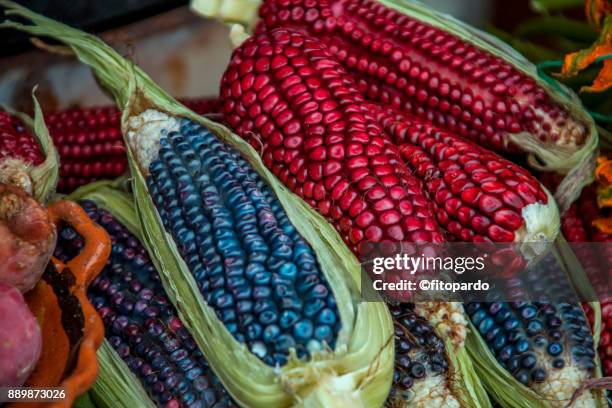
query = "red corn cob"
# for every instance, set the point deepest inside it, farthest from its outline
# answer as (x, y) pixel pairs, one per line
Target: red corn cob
(423, 70)
(17, 142)
(338, 152)
(90, 144)
(19, 152)
(286, 95)
(479, 196)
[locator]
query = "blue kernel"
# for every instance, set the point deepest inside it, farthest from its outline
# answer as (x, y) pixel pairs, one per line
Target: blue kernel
(244, 306)
(263, 305)
(538, 375)
(254, 331)
(313, 307)
(471, 308)
(523, 377)
(499, 342)
(494, 332)
(318, 291)
(288, 318)
(522, 346)
(303, 330)
(506, 353)
(284, 342)
(281, 291)
(217, 283)
(554, 349)
(494, 308)
(534, 327)
(271, 332)
(513, 364)
(274, 262)
(558, 363)
(485, 325)
(478, 316)
(242, 292)
(327, 316)
(231, 327)
(178, 355)
(529, 361)
(540, 341)
(291, 303)
(186, 363)
(515, 335)
(288, 271)
(261, 292)
(528, 312)
(246, 319)
(511, 324)
(268, 317)
(502, 315)
(323, 333)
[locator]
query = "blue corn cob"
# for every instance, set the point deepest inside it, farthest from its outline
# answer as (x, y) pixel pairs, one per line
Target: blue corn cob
(547, 347)
(251, 264)
(141, 324)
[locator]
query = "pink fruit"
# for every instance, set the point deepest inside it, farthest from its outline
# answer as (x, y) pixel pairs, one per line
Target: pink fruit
(20, 338)
(27, 238)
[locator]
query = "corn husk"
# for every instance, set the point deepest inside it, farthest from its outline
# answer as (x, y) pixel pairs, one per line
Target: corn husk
(45, 176)
(116, 386)
(357, 373)
(575, 161)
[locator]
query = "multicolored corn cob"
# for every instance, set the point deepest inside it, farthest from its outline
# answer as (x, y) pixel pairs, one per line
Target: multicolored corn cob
(251, 264)
(577, 226)
(422, 376)
(141, 324)
(548, 347)
(426, 71)
(90, 143)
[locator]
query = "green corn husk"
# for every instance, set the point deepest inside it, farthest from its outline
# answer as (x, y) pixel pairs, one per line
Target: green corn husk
(46, 175)
(357, 373)
(577, 162)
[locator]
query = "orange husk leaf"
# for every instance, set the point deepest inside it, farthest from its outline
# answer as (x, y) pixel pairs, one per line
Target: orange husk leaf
(604, 225)
(603, 171)
(597, 10)
(580, 60)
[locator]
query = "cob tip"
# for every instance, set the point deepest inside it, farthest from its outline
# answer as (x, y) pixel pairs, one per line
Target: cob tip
(16, 172)
(542, 225)
(334, 391)
(448, 319)
(240, 11)
(144, 133)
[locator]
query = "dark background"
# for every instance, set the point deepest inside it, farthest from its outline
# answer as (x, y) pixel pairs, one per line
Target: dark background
(93, 16)
(100, 15)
